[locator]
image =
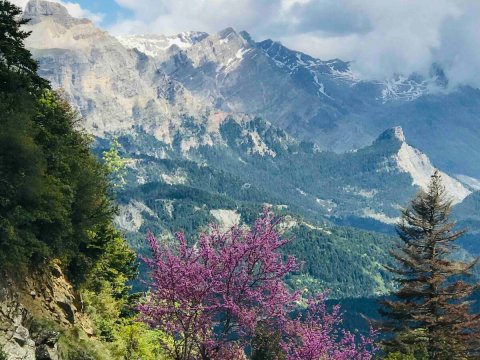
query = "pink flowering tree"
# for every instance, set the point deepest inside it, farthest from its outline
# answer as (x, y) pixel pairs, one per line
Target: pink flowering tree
(211, 297)
(318, 336)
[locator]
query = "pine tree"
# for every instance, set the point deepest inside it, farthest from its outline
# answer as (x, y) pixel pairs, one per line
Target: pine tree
(18, 70)
(430, 313)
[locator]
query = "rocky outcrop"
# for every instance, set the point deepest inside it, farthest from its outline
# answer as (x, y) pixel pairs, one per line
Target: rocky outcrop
(44, 295)
(15, 338)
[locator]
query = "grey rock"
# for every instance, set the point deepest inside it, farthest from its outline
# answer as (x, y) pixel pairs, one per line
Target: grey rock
(21, 335)
(45, 352)
(67, 308)
(37, 11)
(46, 337)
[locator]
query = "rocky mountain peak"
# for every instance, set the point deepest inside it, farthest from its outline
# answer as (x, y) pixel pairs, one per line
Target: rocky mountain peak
(38, 10)
(226, 33)
(246, 36)
(226, 49)
(395, 133)
(231, 38)
(408, 159)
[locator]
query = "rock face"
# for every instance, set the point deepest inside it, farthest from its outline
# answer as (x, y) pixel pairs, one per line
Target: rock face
(44, 295)
(15, 339)
(38, 11)
(417, 164)
(115, 89)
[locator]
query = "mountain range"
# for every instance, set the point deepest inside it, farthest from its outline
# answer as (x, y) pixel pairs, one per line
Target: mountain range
(216, 126)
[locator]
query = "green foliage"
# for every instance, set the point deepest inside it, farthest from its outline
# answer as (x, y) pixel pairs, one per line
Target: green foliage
(54, 192)
(18, 71)
(339, 248)
(134, 341)
(55, 201)
(115, 267)
(104, 310)
(3, 356)
(81, 348)
(125, 337)
(115, 164)
(432, 307)
(266, 345)
(400, 356)
(23, 187)
(415, 350)
(109, 303)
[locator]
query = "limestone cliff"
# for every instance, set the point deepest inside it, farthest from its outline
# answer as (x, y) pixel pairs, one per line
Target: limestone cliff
(43, 296)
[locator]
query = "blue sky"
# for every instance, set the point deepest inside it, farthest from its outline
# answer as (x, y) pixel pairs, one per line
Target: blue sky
(104, 6)
(381, 37)
(109, 8)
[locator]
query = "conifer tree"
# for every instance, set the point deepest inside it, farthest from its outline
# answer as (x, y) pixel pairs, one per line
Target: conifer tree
(18, 70)
(430, 313)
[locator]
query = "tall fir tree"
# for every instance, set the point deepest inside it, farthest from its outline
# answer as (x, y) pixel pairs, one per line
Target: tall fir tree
(430, 315)
(18, 70)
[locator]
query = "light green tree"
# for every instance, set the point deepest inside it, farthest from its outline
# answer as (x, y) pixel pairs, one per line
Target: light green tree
(115, 164)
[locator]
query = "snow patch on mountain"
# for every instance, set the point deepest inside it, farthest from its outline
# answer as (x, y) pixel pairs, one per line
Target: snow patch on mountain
(295, 62)
(233, 62)
(403, 88)
(158, 44)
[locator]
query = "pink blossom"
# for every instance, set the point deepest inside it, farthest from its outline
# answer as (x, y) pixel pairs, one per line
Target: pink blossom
(211, 297)
(318, 336)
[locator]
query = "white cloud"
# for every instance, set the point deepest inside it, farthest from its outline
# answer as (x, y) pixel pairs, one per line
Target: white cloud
(73, 8)
(381, 37)
(402, 36)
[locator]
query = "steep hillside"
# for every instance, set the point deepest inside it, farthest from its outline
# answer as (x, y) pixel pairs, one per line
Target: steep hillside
(38, 315)
(262, 162)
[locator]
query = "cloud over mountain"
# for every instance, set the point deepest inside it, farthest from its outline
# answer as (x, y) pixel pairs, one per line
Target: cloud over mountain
(381, 38)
